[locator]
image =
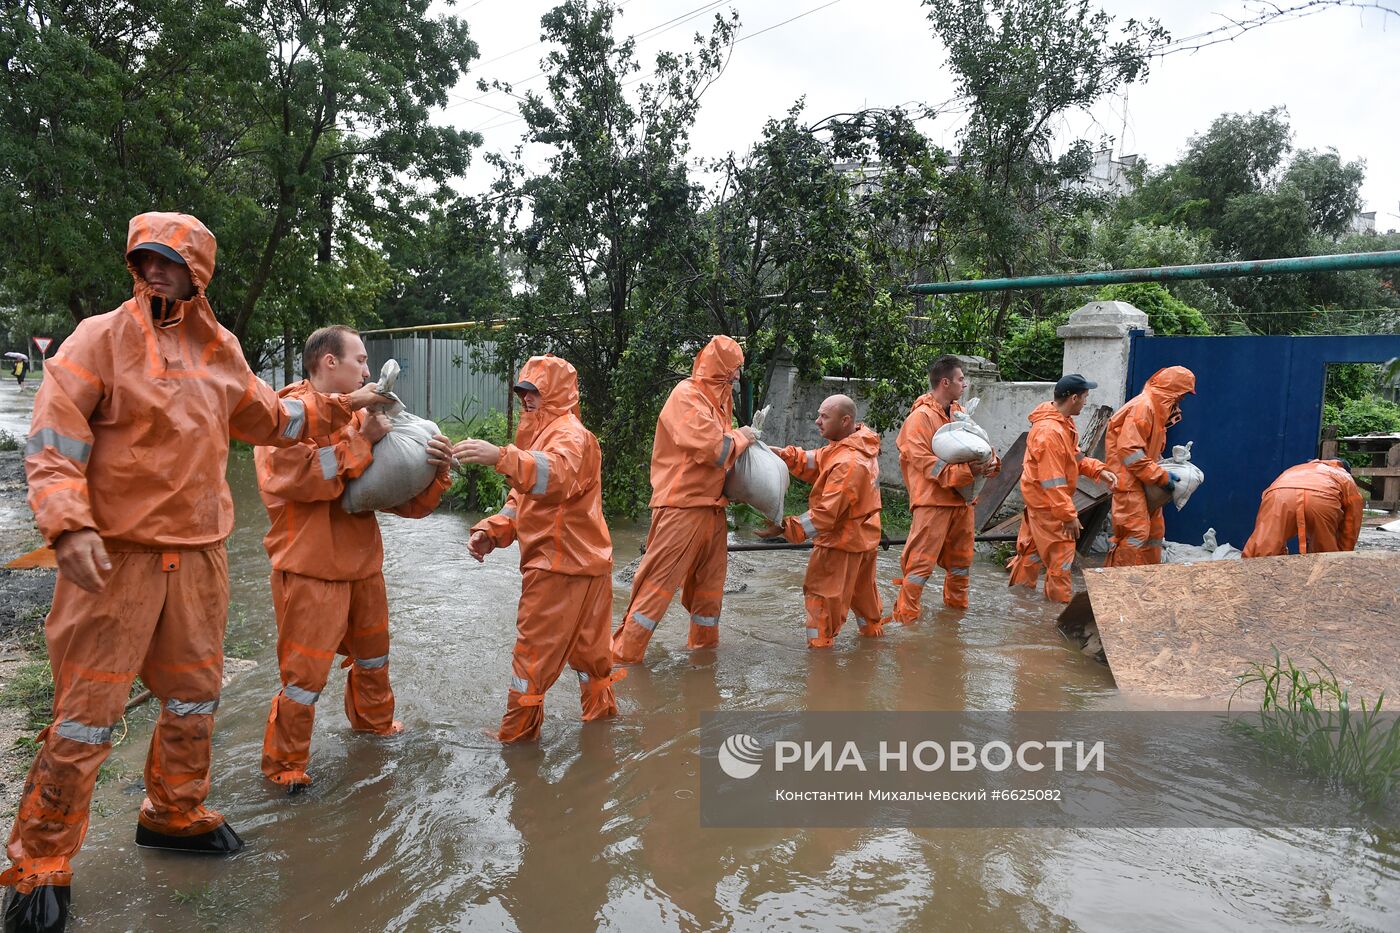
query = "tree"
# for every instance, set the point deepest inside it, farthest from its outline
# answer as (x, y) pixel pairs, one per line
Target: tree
(599, 229)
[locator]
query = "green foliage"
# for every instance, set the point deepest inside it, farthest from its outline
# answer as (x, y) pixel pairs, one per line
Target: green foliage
(1347, 381)
(1034, 351)
(1367, 415)
(1169, 316)
(1306, 719)
(8, 441)
(477, 488)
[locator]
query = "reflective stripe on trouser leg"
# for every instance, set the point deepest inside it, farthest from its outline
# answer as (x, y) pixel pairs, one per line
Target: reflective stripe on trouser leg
(676, 545)
(1025, 566)
(1133, 526)
(702, 591)
(591, 654)
(312, 618)
(827, 591)
(956, 557)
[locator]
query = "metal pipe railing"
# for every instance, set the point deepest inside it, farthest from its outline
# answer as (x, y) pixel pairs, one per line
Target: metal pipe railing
(1343, 262)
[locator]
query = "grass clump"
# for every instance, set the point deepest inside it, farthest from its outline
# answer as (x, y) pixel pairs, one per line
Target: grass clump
(8, 441)
(1307, 718)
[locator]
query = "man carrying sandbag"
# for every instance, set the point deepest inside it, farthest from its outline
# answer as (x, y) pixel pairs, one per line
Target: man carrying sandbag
(125, 461)
(1049, 474)
(327, 564)
(687, 545)
(842, 522)
(1133, 443)
(1317, 502)
(555, 511)
(941, 495)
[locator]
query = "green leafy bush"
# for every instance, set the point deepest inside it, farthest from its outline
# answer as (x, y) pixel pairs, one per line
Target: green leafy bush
(1168, 315)
(477, 488)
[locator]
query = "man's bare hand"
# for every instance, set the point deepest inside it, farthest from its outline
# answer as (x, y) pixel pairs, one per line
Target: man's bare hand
(479, 545)
(440, 453)
(472, 450)
(1073, 528)
(367, 396)
(83, 559)
(978, 467)
(1109, 479)
(770, 531)
(375, 427)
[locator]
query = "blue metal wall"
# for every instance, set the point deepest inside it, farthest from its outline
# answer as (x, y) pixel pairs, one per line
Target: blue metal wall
(1257, 411)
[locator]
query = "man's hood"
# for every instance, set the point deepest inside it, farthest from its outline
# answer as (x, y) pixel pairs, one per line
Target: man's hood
(557, 382)
(1046, 411)
(182, 233)
(863, 440)
(715, 365)
(1166, 388)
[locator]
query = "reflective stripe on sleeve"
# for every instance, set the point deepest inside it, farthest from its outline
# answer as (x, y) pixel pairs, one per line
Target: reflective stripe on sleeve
(297, 422)
(192, 707)
(70, 447)
(1054, 481)
(328, 464)
(76, 731)
(507, 511)
(937, 468)
(372, 663)
(811, 460)
(724, 450)
(298, 695)
(1134, 457)
(541, 473)
(805, 520)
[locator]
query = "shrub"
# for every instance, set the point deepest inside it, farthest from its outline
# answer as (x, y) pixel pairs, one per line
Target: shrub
(477, 488)
(1168, 315)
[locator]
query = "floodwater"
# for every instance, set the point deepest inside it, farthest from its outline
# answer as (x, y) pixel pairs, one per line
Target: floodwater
(597, 827)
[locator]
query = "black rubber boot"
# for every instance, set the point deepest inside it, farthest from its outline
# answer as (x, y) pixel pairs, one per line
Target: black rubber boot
(221, 840)
(43, 910)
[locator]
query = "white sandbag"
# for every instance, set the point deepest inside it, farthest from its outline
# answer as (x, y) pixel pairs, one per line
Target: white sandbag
(1188, 476)
(759, 477)
(400, 469)
(962, 440)
(1176, 553)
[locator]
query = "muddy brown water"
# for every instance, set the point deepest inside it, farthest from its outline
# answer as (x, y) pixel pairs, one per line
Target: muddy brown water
(598, 827)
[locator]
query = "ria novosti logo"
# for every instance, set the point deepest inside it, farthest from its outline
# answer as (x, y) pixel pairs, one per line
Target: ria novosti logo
(740, 756)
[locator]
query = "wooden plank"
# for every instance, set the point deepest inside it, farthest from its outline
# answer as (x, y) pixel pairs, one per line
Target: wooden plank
(1092, 519)
(1185, 631)
(994, 494)
(1391, 487)
(1327, 445)
(1376, 471)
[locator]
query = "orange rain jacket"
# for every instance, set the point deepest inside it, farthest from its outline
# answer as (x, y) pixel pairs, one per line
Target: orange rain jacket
(695, 443)
(554, 468)
(311, 534)
(131, 425)
(1137, 432)
(844, 505)
(1053, 464)
(1327, 490)
(931, 481)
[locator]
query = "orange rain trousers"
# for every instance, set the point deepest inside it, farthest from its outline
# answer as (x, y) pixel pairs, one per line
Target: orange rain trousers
(1138, 532)
(1043, 542)
(563, 619)
(316, 620)
(1313, 517)
(836, 583)
(162, 616)
(941, 535)
(687, 550)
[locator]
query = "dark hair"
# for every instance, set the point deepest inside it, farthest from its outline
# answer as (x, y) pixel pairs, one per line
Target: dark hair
(942, 368)
(326, 340)
(1061, 396)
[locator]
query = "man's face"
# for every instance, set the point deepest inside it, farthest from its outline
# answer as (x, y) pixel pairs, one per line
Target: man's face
(832, 424)
(529, 399)
(1077, 401)
(734, 377)
(351, 370)
(167, 278)
(955, 385)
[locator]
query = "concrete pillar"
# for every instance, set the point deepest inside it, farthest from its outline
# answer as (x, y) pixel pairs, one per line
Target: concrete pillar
(1096, 347)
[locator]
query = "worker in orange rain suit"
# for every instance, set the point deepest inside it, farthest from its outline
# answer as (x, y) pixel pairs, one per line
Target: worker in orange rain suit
(555, 511)
(1135, 439)
(687, 546)
(327, 579)
(1316, 501)
(941, 495)
(842, 522)
(1049, 473)
(125, 461)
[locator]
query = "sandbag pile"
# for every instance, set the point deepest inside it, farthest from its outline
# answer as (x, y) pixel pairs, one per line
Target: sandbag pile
(400, 469)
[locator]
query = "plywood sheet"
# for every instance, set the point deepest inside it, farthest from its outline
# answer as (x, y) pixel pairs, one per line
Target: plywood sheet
(1187, 630)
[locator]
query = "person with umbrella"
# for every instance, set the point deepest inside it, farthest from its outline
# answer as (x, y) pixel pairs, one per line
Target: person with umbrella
(21, 367)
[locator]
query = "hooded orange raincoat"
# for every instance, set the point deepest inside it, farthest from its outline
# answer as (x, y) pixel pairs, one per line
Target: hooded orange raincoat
(1136, 437)
(555, 511)
(942, 496)
(1049, 475)
(130, 438)
(843, 523)
(327, 588)
(687, 545)
(1317, 502)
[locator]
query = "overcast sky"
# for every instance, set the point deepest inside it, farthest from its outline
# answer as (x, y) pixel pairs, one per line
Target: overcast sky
(1336, 72)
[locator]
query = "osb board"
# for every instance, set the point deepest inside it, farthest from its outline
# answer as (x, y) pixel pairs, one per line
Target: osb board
(1187, 630)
